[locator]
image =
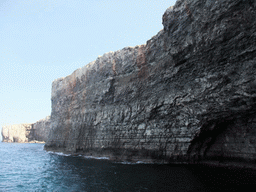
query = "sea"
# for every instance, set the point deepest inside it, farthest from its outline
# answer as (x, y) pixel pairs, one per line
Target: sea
(28, 167)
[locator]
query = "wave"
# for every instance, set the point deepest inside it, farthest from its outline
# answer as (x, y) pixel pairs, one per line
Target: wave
(59, 153)
(86, 157)
(99, 158)
(132, 163)
(92, 157)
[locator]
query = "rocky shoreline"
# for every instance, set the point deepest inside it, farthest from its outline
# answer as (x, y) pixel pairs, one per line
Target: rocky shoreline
(241, 164)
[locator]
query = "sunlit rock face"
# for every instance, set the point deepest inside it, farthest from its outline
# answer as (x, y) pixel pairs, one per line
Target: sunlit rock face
(23, 133)
(20, 133)
(188, 94)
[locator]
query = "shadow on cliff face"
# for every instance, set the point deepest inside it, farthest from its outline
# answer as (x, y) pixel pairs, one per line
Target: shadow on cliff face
(231, 138)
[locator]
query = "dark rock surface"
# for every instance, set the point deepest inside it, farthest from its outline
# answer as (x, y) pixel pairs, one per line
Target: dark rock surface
(26, 133)
(188, 94)
(42, 129)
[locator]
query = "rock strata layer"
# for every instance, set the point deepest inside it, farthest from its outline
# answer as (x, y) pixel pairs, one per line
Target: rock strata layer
(188, 94)
(25, 133)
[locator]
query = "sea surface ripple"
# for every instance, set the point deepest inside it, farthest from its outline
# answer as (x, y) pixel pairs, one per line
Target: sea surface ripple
(27, 167)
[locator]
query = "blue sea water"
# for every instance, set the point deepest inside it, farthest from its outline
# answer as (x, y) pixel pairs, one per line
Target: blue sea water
(27, 167)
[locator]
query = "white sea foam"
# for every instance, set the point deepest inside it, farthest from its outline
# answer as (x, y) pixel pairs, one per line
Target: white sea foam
(59, 153)
(126, 163)
(92, 157)
(99, 158)
(141, 162)
(133, 163)
(86, 157)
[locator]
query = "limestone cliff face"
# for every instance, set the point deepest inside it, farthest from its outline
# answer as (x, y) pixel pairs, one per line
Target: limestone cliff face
(23, 133)
(42, 129)
(20, 133)
(189, 93)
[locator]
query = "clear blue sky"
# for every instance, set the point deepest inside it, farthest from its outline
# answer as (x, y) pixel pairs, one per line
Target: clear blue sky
(42, 40)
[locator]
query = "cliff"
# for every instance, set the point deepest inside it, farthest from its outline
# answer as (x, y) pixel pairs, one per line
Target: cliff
(24, 133)
(20, 133)
(188, 94)
(42, 129)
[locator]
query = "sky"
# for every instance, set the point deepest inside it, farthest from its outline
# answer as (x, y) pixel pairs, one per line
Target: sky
(42, 40)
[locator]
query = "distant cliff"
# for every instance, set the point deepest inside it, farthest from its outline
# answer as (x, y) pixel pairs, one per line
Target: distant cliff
(24, 133)
(188, 94)
(20, 133)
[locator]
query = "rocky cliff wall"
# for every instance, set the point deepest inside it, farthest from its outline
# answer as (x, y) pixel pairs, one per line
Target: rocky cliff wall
(20, 133)
(23, 133)
(42, 129)
(188, 94)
